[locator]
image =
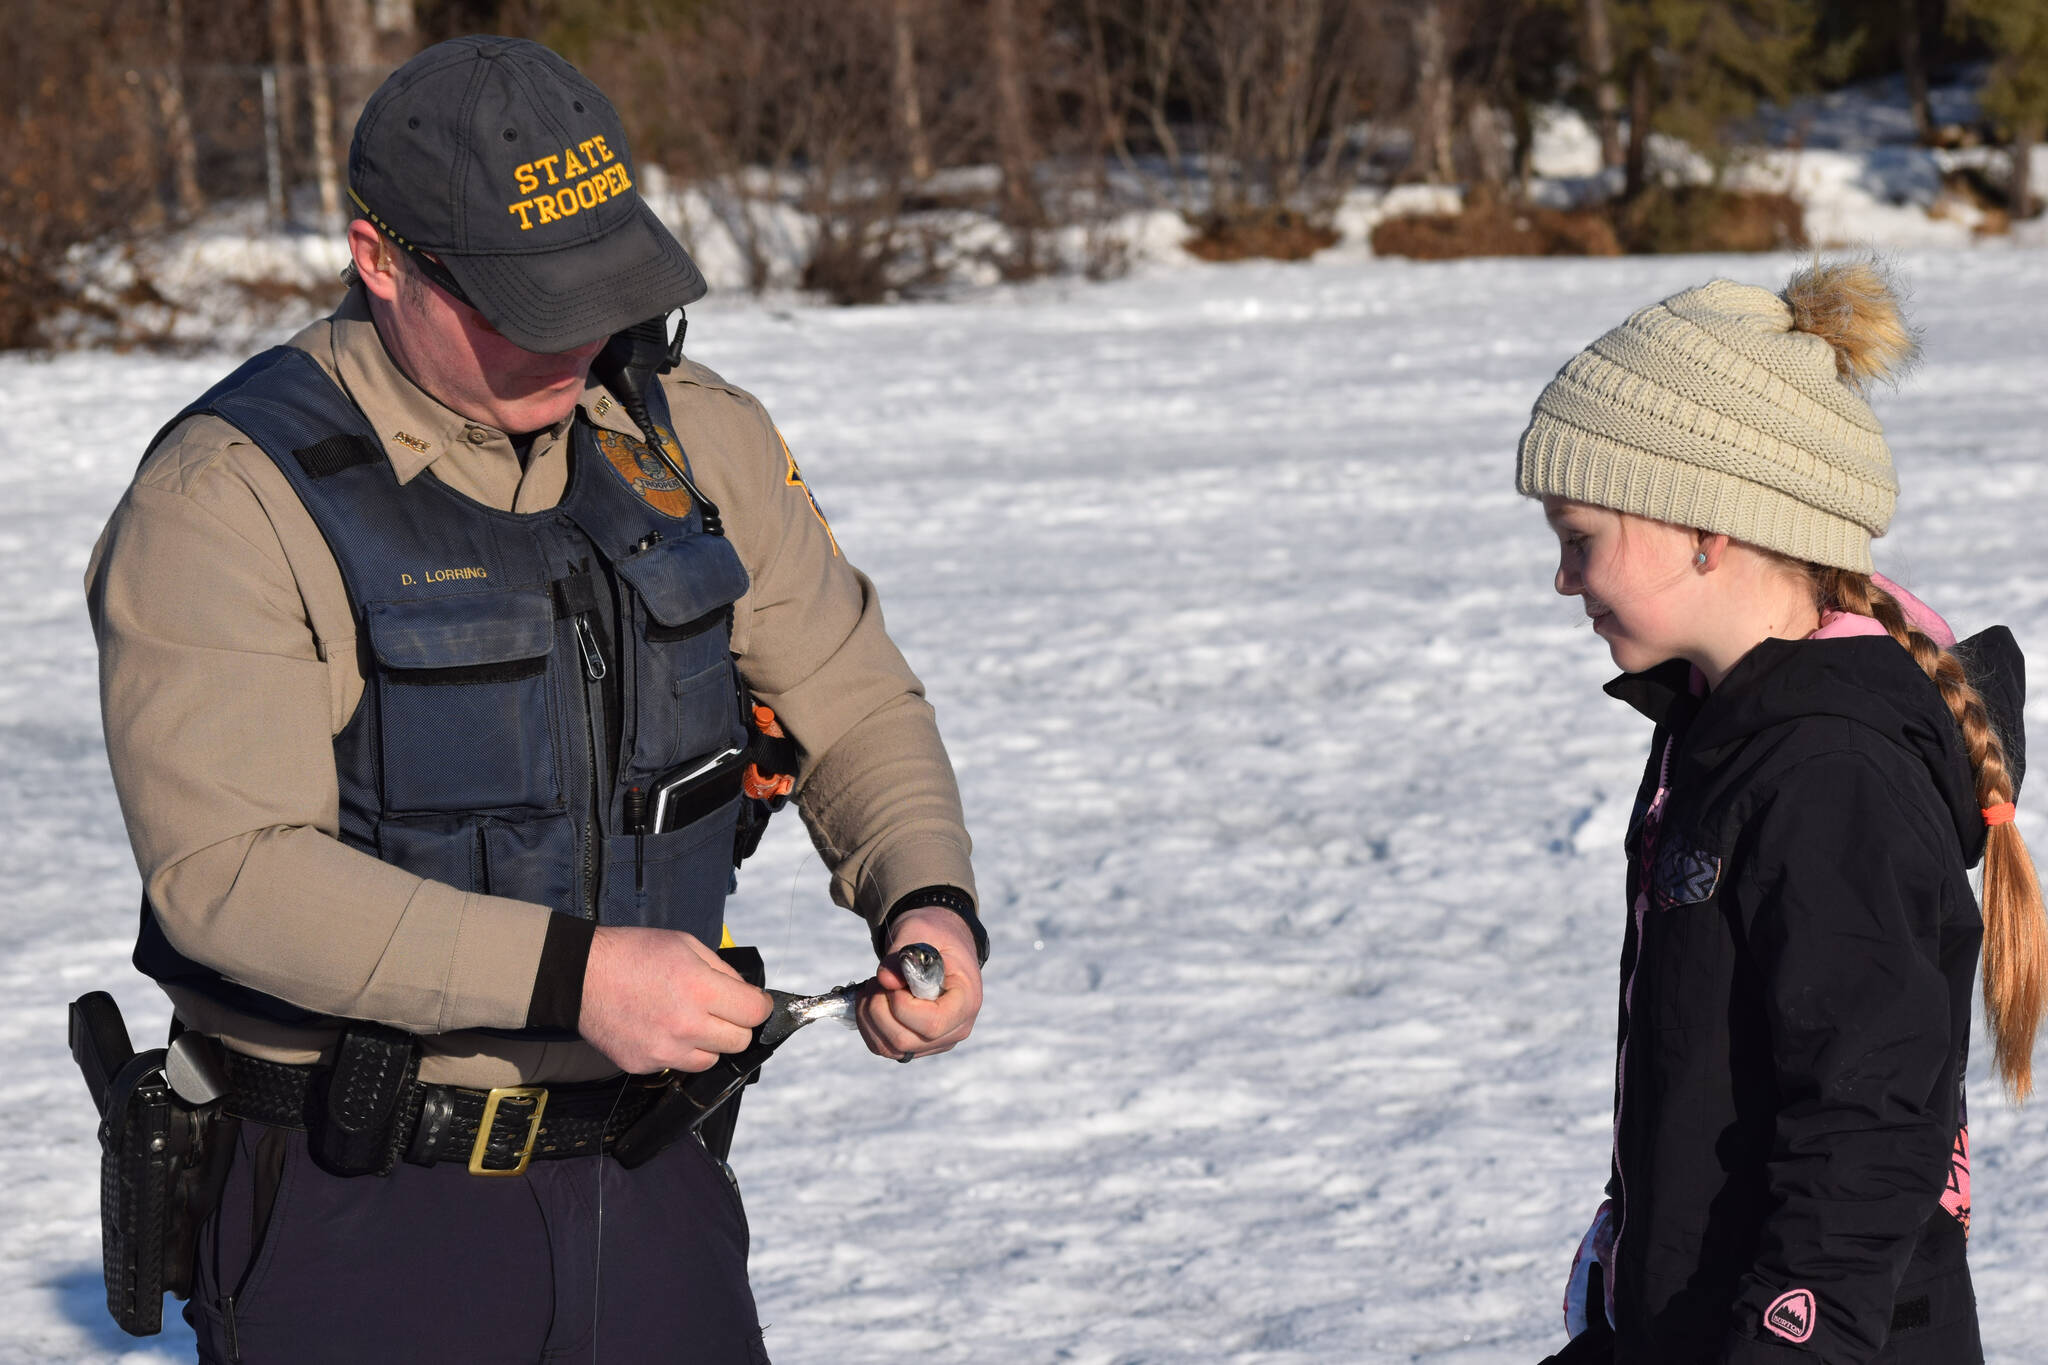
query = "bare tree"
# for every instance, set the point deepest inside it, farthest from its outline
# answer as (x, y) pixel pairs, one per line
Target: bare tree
(903, 80)
(1913, 61)
(313, 33)
(283, 62)
(1598, 38)
(1135, 63)
(1435, 105)
(1016, 150)
(168, 81)
(1640, 109)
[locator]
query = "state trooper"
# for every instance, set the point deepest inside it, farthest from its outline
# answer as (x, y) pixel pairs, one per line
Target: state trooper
(402, 626)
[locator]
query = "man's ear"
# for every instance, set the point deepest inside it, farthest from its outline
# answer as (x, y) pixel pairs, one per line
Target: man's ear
(375, 265)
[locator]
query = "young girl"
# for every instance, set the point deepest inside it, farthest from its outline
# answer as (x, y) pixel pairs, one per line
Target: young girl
(1791, 1165)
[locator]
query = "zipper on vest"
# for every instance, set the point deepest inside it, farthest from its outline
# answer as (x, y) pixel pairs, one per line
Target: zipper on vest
(593, 827)
(576, 598)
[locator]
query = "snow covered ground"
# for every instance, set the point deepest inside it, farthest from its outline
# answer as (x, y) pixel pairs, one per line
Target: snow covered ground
(1297, 808)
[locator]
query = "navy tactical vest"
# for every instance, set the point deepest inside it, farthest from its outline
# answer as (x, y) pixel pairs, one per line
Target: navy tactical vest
(524, 673)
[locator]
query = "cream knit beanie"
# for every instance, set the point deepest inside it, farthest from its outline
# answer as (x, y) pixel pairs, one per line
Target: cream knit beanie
(1729, 408)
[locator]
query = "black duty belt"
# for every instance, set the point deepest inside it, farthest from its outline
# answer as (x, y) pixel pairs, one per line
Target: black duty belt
(497, 1132)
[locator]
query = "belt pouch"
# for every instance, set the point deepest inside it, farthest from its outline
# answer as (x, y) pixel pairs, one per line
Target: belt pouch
(359, 1120)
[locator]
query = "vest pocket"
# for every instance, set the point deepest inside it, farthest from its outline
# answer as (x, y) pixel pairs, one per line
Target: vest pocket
(526, 860)
(466, 719)
(676, 880)
(688, 701)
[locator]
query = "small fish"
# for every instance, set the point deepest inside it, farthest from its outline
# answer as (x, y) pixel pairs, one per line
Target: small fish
(922, 969)
(919, 964)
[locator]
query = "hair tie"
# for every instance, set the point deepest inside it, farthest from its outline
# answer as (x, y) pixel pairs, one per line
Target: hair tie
(2000, 814)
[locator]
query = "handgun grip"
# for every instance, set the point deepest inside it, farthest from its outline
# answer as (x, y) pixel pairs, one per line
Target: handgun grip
(99, 1043)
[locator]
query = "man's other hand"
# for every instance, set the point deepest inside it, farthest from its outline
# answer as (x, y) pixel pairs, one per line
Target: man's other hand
(655, 998)
(896, 1023)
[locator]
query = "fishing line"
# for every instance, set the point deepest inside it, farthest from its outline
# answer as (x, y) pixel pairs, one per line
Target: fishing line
(597, 1254)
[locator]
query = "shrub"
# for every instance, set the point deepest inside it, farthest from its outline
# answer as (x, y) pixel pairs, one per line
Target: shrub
(1278, 233)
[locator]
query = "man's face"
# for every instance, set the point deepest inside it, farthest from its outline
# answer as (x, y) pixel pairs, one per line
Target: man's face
(450, 351)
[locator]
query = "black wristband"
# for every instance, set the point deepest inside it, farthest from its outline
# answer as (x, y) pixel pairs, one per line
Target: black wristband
(946, 898)
(557, 1000)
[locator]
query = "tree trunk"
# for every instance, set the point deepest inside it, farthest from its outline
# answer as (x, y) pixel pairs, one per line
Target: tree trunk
(169, 81)
(355, 57)
(1014, 143)
(1433, 92)
(2020, 189)
(1913, 61)
(1638, 127)
(324, 170)
(909, 109)
(1600, 65)
(1493, 143)
(395, 22)
(282, 52)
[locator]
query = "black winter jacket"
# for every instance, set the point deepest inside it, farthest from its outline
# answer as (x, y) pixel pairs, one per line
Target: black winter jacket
(1795, 1016)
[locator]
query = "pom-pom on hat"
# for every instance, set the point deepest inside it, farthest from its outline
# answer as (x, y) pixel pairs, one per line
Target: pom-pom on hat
(1732, 409)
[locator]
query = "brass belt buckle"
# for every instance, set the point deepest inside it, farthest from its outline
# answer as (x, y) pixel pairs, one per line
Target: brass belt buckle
(537, 1095)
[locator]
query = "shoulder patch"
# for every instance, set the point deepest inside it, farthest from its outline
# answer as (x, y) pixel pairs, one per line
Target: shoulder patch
(794, 478)
(644, 471)
(1683, 875)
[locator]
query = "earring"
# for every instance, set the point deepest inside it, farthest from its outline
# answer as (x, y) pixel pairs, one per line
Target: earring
(1700, 559)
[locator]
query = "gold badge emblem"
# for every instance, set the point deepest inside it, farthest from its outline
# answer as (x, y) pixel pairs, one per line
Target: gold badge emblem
(645, 473)
(794, 478)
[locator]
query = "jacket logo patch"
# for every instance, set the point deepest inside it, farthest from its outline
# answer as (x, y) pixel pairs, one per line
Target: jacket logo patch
(794, 478)
(645, 472)
(1956, 1198)
(1684, 876)
(1791, 1315)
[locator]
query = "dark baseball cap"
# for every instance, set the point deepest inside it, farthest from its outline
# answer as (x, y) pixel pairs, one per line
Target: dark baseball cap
(502, 162)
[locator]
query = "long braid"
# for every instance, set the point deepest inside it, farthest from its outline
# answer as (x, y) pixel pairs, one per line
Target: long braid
(2015, 931)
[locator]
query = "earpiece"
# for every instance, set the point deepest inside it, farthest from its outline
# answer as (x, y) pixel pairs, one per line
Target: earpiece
(1700, 559)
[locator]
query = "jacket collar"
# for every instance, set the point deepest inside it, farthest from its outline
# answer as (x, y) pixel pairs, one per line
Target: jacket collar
(1657, 692)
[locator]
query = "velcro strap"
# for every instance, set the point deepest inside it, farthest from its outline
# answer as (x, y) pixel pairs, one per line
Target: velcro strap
(325, 458)
(575, 595)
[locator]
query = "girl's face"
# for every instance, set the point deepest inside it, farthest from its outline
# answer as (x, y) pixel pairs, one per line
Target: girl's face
(1635, 577)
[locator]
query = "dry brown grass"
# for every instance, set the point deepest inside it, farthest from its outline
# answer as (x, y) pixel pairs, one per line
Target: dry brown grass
(1698, 218)
(1498, 229)
(1278, 234)
(1692, 219)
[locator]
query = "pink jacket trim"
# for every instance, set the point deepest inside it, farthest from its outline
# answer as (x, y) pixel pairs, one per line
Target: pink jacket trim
(1836, 625)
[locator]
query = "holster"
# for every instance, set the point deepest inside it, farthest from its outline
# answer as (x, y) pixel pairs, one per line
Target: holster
(162, 1165)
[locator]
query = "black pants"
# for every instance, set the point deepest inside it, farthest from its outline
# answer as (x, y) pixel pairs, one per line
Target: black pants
(576, 1260)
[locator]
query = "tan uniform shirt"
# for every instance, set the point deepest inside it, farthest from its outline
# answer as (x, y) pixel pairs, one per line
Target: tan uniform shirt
(229, 661)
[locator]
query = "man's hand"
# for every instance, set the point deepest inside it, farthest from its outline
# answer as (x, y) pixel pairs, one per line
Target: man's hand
(655, 998)
(896, 1023)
